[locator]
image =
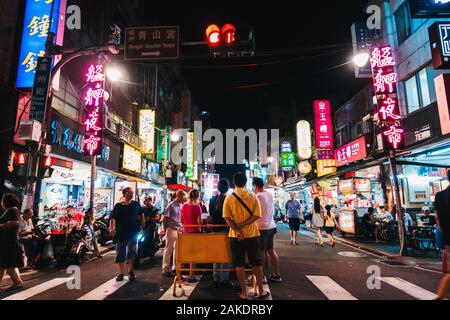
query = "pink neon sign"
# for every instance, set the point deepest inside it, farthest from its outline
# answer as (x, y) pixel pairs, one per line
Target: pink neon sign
(93, 100)
(385, 86)
(323, 124)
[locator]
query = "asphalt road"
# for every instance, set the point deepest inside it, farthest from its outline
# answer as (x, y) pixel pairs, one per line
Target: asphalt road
(309, 272)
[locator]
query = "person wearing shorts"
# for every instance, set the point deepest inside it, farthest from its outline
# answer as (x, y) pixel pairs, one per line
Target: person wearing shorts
(241, 210)
(267, 229)
(127, 218)
(293, 210)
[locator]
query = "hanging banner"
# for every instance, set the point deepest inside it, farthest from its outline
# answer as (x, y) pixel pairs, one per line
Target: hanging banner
(323, 124)
(163, 145)
(131, 159)
(147, 129)
(304, 144)
(190, 155)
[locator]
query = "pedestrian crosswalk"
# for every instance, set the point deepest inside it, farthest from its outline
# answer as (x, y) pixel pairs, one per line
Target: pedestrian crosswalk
(325, 285)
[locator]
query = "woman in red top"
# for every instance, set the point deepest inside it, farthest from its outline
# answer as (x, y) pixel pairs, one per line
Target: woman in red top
(191, 213)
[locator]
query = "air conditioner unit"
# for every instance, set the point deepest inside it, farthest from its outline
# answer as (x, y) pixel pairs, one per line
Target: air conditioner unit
(110, 124)
(30, 130)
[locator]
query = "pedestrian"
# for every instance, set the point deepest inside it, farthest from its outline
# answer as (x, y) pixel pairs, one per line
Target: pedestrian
(191, 214)
(127, 219)
(26, 234)
(294, 212)
(330, 224)
(11, 253)
(317, 220)
(171, 223)
(221, 278)
(240, 211)
(267, 229)
(442, 205)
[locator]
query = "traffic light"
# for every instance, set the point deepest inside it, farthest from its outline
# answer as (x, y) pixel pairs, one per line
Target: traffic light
(21, 159)
(48, 161)
(230, 41)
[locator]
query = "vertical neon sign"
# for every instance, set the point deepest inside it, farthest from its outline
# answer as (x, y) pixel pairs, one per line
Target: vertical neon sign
(93, 100)
(385, 86)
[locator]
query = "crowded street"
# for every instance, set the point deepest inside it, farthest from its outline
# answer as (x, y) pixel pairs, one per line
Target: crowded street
(309, 273)
(236, 155)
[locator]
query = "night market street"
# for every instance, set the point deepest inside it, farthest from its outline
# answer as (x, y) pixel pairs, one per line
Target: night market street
(309, 272)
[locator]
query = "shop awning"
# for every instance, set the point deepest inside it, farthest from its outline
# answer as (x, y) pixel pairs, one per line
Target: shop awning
(176, 187)
(431, 154)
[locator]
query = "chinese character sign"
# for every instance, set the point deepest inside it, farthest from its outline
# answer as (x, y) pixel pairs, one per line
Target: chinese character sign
(147, 129)
(385, 86)
(324, 126)
(304, 144)
(190, 155)
(93, 100)
(39, 20)
(288, 159)
(351, 152)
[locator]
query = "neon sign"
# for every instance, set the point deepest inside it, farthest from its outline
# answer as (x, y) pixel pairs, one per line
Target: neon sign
(324, 126)
(39, 20)
(385, 86)
(93, 100)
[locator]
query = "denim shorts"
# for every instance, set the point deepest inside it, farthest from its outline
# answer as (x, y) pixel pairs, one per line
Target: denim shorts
(126, 250)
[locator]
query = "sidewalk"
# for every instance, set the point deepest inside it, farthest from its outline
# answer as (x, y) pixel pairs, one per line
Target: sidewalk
(388, 251)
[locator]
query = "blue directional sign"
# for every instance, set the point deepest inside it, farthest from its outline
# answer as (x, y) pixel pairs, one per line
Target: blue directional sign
(39, 20)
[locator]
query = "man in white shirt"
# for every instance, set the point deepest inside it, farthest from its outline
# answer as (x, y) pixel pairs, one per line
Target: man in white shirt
(267, 229)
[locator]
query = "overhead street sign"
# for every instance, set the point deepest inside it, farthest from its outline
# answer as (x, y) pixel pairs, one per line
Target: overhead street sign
(152, 43)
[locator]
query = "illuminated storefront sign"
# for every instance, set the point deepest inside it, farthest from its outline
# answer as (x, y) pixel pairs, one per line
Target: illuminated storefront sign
(304, 167)
(147, 130)
(439, 34)
(385, 86)
(210, 182)
(131, 159)
(288, 159)
(362, 185)
(326, 167)
(163, 145)
(351, 152)
(286, 146)
(304, 144)
(39, 20)
(190, 155)
(323, 124)
(430, 8)
(93, 100)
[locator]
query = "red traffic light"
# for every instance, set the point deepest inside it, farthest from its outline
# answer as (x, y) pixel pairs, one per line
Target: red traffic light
(21, 159)
(229, 33)
(48, 161)
(213, 35)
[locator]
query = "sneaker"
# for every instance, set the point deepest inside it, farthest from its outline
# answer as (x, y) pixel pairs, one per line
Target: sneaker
(168, 274)
(192, 280)
(276, 279)
(131, 276)
(292, 243)
(119, 277)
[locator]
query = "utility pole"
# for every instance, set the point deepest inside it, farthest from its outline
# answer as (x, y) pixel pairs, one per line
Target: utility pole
(397, 203)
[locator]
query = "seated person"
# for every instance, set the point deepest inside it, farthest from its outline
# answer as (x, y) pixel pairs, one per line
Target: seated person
(384, 217)
(407, 220)
(150, 213)
(427, 220)
(368, 222)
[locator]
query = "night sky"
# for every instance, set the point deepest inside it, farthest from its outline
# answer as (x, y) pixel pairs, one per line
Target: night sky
(298, 46)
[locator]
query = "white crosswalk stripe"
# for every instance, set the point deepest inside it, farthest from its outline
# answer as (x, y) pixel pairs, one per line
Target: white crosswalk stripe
(28, 293)
(105, 290)
(409, 288)
(330, 288)
(187, 287)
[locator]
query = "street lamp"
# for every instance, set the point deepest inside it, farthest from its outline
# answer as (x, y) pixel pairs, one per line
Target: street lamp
(361, 59)
(113, 73)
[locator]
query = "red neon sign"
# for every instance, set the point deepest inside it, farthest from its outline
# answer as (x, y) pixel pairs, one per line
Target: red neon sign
(385, 86)
(93, 100)
(323, 124)
(351, 152)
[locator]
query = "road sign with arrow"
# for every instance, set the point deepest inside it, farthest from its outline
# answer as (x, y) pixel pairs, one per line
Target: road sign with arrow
(152, 43)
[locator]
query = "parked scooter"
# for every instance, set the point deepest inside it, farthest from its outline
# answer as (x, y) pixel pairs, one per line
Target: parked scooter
(148, 238)
(101, 228)
(44, 251)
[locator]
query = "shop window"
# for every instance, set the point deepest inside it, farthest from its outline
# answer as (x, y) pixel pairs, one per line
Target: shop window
(419, 90)
(66, 100)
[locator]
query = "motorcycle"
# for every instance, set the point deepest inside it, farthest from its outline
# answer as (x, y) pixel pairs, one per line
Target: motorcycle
(44, 250)
(148, 242)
